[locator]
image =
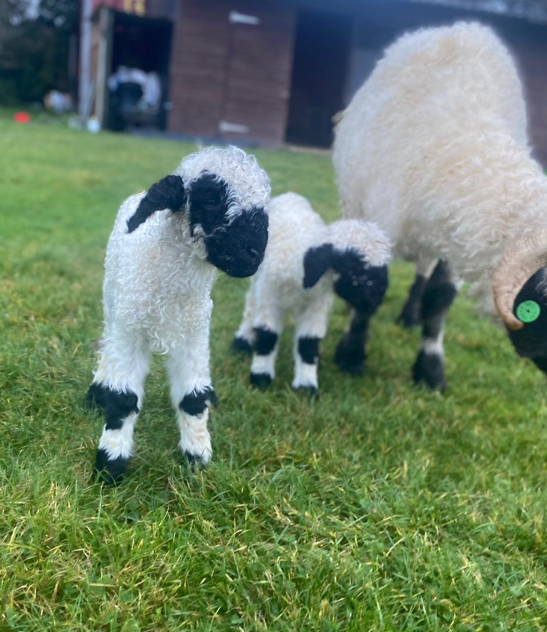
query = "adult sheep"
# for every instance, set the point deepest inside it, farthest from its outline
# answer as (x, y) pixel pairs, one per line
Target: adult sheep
(160, 268)
(434, 149)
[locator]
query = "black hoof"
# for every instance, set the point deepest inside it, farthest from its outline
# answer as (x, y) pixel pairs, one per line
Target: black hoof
(110, 472)
(241, 345)
(350, 358)
(193, 461)
(261, 380)
(310, 392)
(409, 318)
(96, 396)
(428, 369)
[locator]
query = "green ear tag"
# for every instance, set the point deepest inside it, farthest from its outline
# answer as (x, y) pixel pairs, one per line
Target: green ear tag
(528, 311)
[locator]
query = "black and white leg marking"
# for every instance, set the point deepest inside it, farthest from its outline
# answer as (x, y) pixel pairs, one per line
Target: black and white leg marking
(306, 362)
(265, 352)
(118, 388)
(438, 296)
(121, 410)
(195, 440)
(350, 353)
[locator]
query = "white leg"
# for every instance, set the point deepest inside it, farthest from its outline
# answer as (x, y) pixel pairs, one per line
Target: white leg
(192, 394)
(310, 328)
(244, 337)
(118, 387)
(267, 328)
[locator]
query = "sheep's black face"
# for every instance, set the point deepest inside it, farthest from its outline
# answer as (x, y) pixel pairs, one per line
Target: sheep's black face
(531, 309)
(234, 245)
(362, 285)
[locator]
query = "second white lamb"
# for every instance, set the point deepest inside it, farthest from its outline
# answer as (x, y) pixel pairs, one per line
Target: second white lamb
(306, 262)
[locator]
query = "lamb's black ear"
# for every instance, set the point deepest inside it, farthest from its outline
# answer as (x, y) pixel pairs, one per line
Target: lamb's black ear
(316, 262)
(167, 194)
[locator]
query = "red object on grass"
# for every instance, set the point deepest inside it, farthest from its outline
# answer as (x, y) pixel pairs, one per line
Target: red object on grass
(21, 117)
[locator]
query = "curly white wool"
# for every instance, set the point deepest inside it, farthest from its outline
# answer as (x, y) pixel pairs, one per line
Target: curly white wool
(434, 149)
(277, 287)
(157, 297)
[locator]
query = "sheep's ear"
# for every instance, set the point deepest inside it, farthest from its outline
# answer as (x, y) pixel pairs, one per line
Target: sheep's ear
(167, 194)
(316, 262)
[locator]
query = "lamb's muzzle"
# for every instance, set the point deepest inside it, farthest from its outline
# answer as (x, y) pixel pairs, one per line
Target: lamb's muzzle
(518, 264)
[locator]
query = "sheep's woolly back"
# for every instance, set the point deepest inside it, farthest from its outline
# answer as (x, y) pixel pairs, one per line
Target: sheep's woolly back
(366, 237)
(433, 148)
(249, 184)
(294, 228)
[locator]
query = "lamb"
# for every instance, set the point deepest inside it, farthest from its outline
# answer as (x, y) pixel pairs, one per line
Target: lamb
(434, 149)
(160, 268)
(305, 261)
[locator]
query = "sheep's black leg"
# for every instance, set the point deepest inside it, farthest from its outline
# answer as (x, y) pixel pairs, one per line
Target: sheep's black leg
(264, 355)
(350, 353)
(438, 296)
(410, 316)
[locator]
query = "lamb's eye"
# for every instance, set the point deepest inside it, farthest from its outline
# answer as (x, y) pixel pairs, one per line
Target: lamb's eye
(211, 204)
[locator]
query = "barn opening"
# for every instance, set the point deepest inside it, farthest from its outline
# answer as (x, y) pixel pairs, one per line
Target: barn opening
(138, 99)
(322, 48)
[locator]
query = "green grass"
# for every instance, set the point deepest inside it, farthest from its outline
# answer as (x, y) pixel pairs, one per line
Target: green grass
(378, 507)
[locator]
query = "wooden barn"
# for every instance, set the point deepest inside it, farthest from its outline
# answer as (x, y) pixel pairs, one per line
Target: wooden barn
(274, 72)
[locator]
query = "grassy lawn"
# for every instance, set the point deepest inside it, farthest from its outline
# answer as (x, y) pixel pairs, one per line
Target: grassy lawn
(378, 507)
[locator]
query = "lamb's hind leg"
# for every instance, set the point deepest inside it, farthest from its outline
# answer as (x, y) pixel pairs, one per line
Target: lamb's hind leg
(244, 338)
(439, 293)
(118, 388)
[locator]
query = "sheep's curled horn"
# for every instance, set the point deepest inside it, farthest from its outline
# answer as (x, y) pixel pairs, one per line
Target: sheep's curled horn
(518, 264)
(167, 194)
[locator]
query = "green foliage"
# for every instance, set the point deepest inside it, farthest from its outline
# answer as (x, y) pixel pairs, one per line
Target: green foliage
(379, 507)
(34, 48)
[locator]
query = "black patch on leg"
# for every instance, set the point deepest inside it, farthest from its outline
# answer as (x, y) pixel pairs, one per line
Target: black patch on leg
(118, 407)
(96, 396)
(242, 345)
(110, 472)
(428, 369)
(308, 349)
(261, 380)
(350, 353)
(265, 341)
(438, 296)
(411, 314)
(196, 402)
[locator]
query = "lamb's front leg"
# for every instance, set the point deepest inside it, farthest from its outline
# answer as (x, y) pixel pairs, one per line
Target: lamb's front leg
(310, 328)
(192, 395)
(118, 388)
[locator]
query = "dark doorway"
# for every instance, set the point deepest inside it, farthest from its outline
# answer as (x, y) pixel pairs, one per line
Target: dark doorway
(143, 44)
(323, 42)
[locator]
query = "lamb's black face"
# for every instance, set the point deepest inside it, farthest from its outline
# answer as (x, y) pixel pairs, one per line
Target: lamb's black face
(235, 246)
(531, 309)
(362, 285)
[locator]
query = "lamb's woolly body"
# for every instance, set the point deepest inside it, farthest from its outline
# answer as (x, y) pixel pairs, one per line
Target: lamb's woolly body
(157, 283)
(157, 289)
(434, 149)
(278, 286)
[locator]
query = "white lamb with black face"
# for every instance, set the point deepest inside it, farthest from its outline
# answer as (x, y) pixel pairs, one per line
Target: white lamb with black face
(306, 262)
(160, 267)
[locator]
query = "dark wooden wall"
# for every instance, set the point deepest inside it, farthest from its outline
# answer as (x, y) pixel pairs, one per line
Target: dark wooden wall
(231, 73)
